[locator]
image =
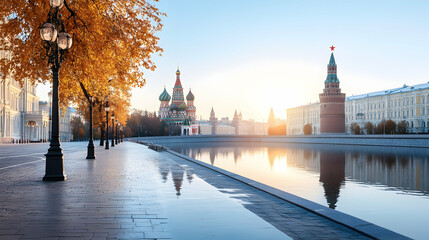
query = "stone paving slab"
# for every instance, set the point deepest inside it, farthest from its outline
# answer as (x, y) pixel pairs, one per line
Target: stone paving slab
(128, 192)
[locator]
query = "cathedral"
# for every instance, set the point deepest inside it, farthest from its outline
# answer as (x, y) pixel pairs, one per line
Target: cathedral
(179, 115)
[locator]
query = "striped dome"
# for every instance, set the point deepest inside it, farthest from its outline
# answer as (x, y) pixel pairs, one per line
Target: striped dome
(183, 106)
(164, 97)
(190, 96)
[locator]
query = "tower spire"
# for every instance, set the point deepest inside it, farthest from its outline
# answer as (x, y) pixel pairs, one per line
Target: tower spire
(332, 71)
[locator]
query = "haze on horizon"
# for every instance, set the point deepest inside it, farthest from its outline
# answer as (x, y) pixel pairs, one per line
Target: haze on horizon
(249, 57)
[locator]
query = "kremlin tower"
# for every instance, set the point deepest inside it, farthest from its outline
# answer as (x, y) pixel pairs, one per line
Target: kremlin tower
(332, 114)
(178, 114)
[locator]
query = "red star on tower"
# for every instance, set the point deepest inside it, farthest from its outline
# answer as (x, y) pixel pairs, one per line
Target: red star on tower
(332, 47)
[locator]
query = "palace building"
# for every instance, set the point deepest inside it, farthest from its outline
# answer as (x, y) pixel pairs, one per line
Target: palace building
(334, 115)
(178, 114)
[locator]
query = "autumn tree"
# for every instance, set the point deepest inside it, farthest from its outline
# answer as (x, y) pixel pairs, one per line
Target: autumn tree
(380, 128)
(307, 129)
(144, 123)
(277, 130)
(369, 127)
(113, 40)
(355, 128)
(390, 127)
(77, 128)
(402, 127)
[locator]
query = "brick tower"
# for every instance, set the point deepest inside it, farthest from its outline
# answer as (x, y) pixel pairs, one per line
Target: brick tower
(332, 115)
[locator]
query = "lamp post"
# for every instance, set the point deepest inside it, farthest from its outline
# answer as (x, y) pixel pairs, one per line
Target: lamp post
(113, 129)
(90, 153)
(116, 138)
(56, 45)
(107, 108)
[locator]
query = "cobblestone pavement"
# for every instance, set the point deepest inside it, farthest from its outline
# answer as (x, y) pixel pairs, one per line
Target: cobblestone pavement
(131, 192)
(128, 192)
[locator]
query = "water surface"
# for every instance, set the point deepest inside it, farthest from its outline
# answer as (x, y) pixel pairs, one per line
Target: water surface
(385, 186)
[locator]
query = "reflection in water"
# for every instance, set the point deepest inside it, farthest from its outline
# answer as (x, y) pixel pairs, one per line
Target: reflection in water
(332, 166)
(398, 168)
(275, 153)
(213, 154)
(177, 173)
(387, 186)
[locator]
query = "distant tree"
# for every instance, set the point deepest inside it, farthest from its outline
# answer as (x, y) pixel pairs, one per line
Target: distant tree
(390, 127)
(402, 127)
(77, 127)
(277, 130)
(308, 129)
(353, 127)
(380, 128)
(144, 123)
(369, 128)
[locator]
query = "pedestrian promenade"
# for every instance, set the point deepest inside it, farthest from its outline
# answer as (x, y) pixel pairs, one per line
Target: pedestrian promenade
(132, 192)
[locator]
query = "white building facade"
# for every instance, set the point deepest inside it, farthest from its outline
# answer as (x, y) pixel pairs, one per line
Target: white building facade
(23, 118)
(299, 116)
(20, 117)
(406, 103)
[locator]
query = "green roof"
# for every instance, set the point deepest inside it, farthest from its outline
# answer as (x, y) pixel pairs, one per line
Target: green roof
(164, 96)
(332, 77)
(332, 60)
(187, 122)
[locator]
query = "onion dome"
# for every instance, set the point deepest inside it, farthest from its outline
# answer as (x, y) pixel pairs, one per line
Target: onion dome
(190, 96)
(164, 97)
(173, 106)
(183, 106)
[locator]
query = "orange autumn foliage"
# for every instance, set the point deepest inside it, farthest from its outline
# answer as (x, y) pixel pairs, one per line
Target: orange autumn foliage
(112, 39)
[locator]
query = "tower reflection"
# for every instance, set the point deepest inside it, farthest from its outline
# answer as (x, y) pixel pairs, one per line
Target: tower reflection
(275, 153)
(332, 175)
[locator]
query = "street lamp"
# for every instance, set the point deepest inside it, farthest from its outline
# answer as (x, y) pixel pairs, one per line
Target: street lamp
(56, 46)
(90, 153)
(113, 129)
(116, 138)
(107, 108)
(122, 134)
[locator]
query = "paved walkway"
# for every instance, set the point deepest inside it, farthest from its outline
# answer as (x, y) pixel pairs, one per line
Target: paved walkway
(131, 192)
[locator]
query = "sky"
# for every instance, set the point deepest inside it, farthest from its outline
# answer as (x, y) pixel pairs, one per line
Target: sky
(251, 55)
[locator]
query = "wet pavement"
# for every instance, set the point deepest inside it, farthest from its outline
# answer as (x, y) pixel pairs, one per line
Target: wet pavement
(131, 192)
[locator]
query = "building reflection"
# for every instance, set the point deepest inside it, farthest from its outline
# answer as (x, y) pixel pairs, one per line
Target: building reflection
(275, 153)
(403, 169)
(177, 174)
(332, 175)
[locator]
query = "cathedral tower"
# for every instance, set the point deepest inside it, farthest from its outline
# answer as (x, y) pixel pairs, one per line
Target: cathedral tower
(164, 107)
(213, 121)
(332, 115)
(190, 110)
(178, 98)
